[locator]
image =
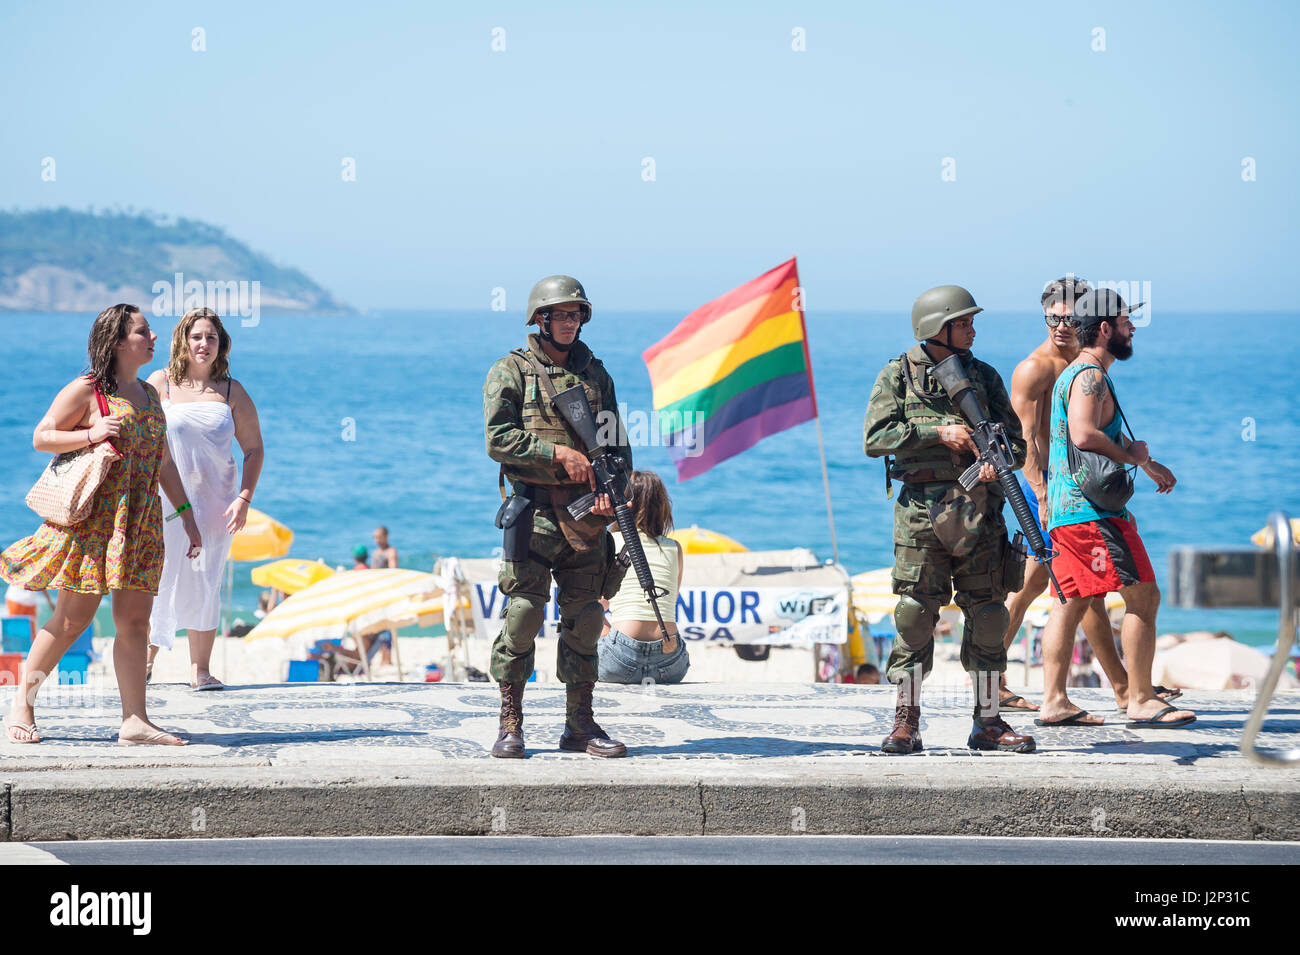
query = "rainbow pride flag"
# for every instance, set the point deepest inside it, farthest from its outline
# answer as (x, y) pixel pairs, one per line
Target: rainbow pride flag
(733, 372)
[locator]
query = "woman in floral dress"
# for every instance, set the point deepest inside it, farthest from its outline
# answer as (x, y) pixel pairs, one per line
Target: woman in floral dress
(119, 547)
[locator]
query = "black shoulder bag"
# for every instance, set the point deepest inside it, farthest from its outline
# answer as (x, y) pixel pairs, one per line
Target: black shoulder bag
(1104, 482)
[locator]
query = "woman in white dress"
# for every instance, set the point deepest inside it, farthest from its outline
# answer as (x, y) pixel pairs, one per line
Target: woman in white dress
(206, 411)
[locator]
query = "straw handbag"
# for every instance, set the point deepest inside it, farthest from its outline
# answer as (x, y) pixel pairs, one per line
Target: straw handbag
(65, 492)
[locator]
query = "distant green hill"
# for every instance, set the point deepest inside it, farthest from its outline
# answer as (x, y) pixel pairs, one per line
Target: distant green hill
(60, 260)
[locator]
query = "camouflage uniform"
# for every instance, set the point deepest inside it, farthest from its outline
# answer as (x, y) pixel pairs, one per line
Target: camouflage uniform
(943, 536)
(522, 430)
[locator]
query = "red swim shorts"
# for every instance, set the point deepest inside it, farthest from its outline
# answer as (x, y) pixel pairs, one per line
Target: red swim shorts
(1098, 557)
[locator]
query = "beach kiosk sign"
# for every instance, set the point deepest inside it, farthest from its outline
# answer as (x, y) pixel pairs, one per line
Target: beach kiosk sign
(781, 597)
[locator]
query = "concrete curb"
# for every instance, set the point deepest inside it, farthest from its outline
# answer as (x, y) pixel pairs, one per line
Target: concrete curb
(583, 800)
(412, 759)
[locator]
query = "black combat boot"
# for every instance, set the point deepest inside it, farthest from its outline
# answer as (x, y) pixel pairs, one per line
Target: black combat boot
(510, 735)
(581, 731)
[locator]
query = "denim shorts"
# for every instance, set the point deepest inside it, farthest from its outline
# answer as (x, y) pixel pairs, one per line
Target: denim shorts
(624, 659)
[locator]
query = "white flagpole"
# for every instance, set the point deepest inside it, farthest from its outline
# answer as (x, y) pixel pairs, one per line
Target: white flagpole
(826, 483)
(821, 444)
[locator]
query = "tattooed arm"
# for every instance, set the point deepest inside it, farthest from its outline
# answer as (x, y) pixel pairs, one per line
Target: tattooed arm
(1087, 405)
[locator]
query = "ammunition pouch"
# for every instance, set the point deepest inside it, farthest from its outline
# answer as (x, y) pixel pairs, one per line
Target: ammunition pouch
(615, 569)
(515, 518)
(1013, 565)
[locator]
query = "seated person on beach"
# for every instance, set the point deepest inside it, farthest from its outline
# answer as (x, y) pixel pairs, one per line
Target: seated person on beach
(634, 651)
(867, 674)
(323, 649)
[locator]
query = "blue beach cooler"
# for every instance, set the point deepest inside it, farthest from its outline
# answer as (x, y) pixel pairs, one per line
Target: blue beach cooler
(73, 668)
(303, 671)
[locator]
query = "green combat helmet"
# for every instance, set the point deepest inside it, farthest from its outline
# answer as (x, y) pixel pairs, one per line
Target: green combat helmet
(939, 306)
(556, 290)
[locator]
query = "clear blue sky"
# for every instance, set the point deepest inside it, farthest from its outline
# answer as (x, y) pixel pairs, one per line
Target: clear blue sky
(478, 169)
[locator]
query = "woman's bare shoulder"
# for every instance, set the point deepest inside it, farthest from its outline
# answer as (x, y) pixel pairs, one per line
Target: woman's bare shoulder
(82, 387)
(239, 393)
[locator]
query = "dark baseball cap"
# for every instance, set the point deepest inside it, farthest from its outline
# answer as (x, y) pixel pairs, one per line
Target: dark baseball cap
(1100, 305)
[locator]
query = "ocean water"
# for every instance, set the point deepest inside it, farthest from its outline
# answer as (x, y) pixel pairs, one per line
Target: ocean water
(377, 419)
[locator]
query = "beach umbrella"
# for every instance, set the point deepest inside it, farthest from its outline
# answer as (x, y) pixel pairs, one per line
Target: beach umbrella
(352, 602)
(261, 538)
(290, 575)
(698, 540)
(1222, 664)
(429, 611)
(349, 603)
(1265, 537)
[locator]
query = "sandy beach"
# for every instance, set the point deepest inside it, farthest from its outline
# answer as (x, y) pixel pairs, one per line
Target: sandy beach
(240, 663)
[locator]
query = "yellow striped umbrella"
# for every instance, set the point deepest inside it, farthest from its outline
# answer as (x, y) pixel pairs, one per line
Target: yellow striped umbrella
(352, 602)
(429, 611)
(291, 574)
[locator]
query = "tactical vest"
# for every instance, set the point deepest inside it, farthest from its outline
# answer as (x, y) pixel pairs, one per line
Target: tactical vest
(926, 403)
(540, 419)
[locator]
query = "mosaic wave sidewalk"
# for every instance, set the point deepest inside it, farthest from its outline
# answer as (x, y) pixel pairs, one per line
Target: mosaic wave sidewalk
(413, 758)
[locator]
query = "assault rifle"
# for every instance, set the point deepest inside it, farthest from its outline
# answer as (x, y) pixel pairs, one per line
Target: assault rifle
(611, 478)
(994, 448)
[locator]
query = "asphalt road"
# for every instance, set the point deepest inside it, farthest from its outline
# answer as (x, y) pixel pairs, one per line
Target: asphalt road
(581, 850)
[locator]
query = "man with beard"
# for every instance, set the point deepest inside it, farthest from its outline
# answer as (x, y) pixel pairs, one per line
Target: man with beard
(1031, 394)
(1099, 551)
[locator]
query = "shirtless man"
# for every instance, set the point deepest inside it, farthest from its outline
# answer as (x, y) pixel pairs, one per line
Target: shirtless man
(384, 554)
(1031, 392)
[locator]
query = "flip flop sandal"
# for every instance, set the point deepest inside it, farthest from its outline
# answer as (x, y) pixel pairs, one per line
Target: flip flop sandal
(157, 738)
(1157, 689)
(28, 728)
(1005, 705)
(1155, 722)
(1074, 719)
(211, 683)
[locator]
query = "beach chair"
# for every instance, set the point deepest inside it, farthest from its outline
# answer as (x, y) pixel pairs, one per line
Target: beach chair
(362, 667)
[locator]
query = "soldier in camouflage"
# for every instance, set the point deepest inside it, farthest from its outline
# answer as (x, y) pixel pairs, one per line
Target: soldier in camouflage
(546, 466)
(944, 536)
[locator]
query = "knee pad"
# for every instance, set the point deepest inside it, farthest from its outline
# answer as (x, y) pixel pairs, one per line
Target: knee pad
(583, 622)
(989, 625)
(523, 619)
(914, 621)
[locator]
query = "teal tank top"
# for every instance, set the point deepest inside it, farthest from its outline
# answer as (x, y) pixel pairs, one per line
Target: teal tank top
(1066, 503)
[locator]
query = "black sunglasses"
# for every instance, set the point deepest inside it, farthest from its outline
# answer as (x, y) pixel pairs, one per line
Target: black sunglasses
(1054, 320)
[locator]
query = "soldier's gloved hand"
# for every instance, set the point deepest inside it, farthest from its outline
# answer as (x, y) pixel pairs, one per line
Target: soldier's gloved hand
(575, 465)
(987, 473)
(957, 437)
